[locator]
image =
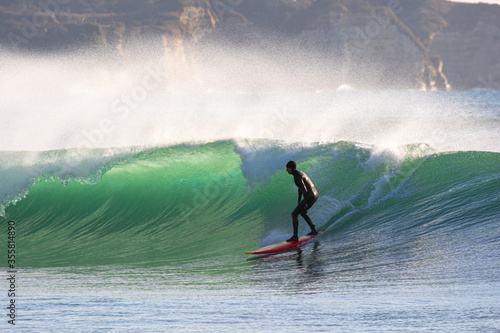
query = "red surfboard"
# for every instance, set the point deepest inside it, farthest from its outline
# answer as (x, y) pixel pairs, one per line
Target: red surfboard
(279, 247)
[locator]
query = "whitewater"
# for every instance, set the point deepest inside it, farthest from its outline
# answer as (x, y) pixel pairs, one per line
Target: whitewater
(134, 198)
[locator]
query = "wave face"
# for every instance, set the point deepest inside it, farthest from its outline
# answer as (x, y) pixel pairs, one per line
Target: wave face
(189, 202)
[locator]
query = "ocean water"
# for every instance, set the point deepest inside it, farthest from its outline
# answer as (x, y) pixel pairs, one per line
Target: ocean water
(112, 236)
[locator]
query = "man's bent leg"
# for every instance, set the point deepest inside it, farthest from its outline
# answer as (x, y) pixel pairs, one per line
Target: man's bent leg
(309, 222)
(295, 220)
(308, 219)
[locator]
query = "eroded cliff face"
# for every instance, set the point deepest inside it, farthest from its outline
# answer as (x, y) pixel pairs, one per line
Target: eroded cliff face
(367, 45)
(375, 48)
(60, 24)
(361, 43)
(167, 30)
(470, 46)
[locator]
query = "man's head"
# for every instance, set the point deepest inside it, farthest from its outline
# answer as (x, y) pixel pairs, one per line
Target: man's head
(291, 166)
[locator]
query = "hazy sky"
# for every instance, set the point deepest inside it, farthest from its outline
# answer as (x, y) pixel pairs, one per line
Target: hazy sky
(476, 1)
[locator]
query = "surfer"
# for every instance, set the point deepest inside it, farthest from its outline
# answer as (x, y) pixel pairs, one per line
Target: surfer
(306, 189)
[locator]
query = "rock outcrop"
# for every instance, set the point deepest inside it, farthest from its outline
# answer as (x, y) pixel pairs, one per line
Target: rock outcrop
(470, 46)
(59, 24)
(376, 49)
(369, 46)
(363, 43)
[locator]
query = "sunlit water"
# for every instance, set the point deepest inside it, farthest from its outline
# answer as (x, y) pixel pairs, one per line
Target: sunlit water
(134, 203)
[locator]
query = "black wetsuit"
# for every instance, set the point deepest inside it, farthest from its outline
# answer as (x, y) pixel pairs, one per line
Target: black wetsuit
(308, 190)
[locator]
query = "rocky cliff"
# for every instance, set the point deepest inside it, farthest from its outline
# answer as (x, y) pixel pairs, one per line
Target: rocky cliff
(58, 24)
(368, 39)
(470, 46)
(366, 44)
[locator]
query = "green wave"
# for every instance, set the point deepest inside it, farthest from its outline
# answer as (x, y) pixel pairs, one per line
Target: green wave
(189, 202)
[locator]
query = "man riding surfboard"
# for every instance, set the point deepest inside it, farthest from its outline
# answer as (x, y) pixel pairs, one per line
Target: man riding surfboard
(306, 189)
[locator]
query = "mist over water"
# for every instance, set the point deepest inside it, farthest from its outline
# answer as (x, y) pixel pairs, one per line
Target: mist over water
(147, 97)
